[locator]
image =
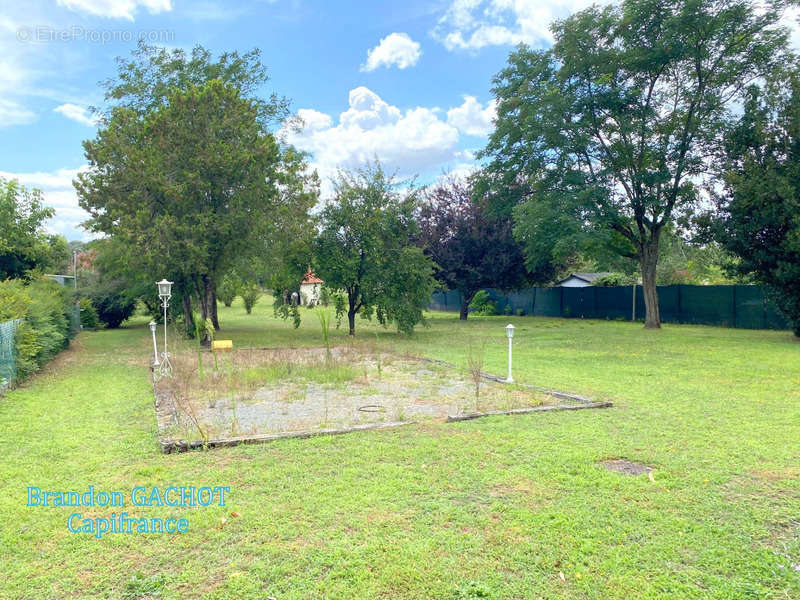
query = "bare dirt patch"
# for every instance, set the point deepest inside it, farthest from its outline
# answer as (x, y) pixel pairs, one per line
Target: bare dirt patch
(626, 467)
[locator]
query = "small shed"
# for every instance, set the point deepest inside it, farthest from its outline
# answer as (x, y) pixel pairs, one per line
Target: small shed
(580, 279)
(310, 289)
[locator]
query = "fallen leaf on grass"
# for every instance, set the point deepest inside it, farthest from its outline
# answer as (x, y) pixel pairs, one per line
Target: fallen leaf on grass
(235, 514)
(650, 475)
(561, 575)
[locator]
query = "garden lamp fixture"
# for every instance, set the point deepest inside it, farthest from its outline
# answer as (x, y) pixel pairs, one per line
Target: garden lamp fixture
(510, 336)
(164, 293)
(152, 325)
(164, 290)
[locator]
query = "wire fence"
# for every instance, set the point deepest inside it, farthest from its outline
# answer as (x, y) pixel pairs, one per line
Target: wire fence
(8, 354)
(740, 306)
(8, 363)
(74, 320)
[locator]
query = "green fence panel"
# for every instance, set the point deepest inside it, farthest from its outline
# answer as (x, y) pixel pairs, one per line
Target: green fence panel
(548, 302)
(453, 299)
(74, 320)
(8, 364)
(438, 301)
(743, 306)
(750, 307)
(669, 304)
(578, 302)
(707, 305)
(522, 301)
(614, 303)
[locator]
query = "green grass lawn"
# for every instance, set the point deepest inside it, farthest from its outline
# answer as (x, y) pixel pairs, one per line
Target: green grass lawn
(503, 505)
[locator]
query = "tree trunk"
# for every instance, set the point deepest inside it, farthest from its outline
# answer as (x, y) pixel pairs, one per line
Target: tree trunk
(200, 292)
(351, 319)
(353, 306)
(649, 260)
(468, 296)
(187, 315)
(464, 311)
(211, 301)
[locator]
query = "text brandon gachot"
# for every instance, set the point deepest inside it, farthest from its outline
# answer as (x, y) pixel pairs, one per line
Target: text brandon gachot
(174, 496)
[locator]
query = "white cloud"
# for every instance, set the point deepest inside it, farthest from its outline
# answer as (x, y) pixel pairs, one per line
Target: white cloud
(313, 120)
(116, 9)
(77, 113)
(474, 24)
(792, 20)
(414, 141)
(471, 118)
(58, 192)
(13, 113)
(396, 49)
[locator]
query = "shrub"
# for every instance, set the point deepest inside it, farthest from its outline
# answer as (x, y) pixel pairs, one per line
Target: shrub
(111, 301)
(613, 280)
(250, 294)
(508, 310)
(227, 290)
(482, 305)
(14, 300)
(324, 296)
(48, 316)
(89, 318)
(44, 305)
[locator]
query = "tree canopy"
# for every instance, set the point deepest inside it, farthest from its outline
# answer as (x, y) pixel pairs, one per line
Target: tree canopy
(758, 217)
(24, 244)
(472, 248)
(186, 172)
(611, 129)
(365, 248)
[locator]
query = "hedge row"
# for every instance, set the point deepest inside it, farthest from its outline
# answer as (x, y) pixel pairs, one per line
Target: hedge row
(48, 310)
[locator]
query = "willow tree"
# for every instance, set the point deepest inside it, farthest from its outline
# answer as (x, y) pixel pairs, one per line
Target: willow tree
(611, 127)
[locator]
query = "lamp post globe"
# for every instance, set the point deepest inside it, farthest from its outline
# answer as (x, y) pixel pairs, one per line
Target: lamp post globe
(164, 290)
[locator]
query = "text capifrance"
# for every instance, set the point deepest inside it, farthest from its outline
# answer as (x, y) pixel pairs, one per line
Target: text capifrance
(140, 496)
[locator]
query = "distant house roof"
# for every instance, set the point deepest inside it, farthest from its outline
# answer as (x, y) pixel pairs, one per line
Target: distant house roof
(310, 278)
(587, 277)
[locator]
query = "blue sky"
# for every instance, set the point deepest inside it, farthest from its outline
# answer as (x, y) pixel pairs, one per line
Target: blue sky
(405, 81)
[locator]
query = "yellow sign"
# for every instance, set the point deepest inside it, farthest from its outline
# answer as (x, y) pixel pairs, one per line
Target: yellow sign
(222, 345)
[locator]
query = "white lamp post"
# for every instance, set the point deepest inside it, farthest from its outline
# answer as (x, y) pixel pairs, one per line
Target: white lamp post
(152, 325)
(165, 293)
(510, 335)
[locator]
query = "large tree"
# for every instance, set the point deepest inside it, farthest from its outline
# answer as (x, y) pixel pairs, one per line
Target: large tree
(185, 170)
(472, 248)
(611, 128)
(24, 244)
(758, 216)
(365, 249)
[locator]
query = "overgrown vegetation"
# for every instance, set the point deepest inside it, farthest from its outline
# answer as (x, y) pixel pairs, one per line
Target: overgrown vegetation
(499, 506)
(250, 294)
(365, 249)
(482, 304)
(604, 137)
(45, 307)
(758, 209)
